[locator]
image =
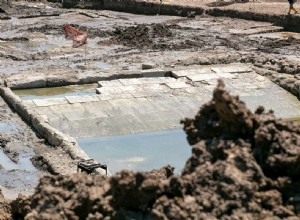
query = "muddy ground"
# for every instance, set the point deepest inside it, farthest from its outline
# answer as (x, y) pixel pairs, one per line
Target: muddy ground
(34, 53)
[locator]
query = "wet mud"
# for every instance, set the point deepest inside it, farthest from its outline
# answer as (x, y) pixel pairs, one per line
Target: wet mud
(243, 165)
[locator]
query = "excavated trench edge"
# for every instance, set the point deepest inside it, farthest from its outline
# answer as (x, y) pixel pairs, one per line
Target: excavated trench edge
(288, 22)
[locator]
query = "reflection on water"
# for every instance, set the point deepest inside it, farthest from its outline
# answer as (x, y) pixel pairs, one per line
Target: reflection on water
(56, 92)
(139, 152)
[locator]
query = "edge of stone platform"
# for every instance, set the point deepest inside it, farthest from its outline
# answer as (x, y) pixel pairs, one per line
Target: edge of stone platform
(43, 128)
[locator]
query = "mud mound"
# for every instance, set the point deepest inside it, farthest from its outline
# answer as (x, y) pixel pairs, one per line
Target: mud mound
(270, 44)
(141, 36)
(244, 165)
(5, 209)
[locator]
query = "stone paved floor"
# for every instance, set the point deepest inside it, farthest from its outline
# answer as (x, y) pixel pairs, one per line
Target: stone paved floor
(125, 106)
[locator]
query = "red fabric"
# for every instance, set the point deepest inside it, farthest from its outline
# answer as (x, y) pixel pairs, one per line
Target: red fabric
(79, 37)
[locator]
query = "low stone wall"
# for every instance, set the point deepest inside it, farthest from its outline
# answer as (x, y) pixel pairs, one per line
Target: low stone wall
(290, 23)
(43, 128)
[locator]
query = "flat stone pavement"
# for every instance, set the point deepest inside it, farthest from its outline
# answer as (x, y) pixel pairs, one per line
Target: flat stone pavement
(131, 105)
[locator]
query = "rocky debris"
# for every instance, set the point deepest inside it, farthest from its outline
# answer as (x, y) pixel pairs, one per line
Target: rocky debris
(42, 163)
(244, 165)
(20, 206)
(5, 209)
(164, 172)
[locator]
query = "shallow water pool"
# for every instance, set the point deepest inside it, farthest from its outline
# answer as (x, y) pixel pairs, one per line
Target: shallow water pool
(56, 92)
(139, 152)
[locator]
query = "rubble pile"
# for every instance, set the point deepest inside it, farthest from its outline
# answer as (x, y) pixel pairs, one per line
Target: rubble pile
(244, 165)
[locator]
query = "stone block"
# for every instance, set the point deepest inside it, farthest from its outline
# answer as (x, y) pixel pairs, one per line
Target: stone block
(202, 77)
(189, 72)
(50, 102)
(109, 90)
(109, 83)
(234, 68)
(80, 99)
(147, 66)
(154, 73)
(225, 75)
(134, 81)
(29, 103)
(156, 80)
(178, 85)
(104, 97)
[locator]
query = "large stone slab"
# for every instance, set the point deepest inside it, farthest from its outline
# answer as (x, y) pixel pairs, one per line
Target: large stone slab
(225, 75)
(105, 97)
(50, 102)
(109, 90)
(80, 99)
(178, 85)
(239, 68)
(202, 77)
(154, 73)
(188, 72)
(109, 83)
(156, 80)
(135, 81)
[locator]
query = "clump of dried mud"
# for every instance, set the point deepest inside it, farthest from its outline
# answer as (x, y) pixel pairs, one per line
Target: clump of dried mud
(141, 36)
(244, 165)
(5, 210)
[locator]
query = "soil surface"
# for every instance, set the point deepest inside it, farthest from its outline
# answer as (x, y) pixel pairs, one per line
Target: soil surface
(243, 165)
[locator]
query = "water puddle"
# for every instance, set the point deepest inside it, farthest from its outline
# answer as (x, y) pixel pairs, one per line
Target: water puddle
(24, 162)
(5, 127)
(6, 163)
(15, 178)
(36, 44)
(56, 92)
(139, 152)
(31, 46)
(101, 65)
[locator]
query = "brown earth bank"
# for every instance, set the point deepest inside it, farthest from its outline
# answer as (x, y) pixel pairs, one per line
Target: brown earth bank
(243, 165)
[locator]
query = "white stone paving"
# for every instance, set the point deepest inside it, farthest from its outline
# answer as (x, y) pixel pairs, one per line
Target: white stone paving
(150, 104)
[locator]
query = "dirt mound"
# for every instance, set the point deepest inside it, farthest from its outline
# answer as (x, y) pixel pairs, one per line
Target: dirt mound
(141, 36)
(244, 165)
(5, 209)
(269, 45)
